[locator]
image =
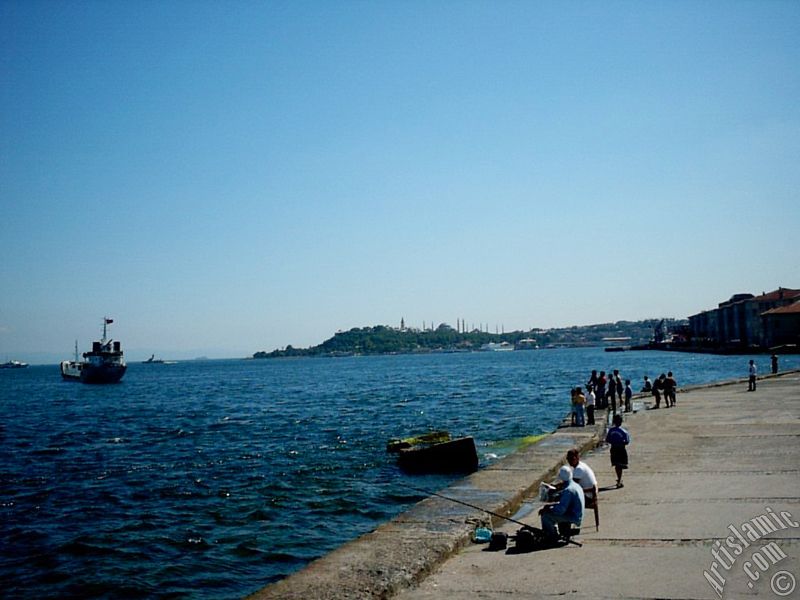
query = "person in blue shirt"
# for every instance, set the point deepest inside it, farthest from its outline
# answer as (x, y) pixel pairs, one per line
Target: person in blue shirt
(618, 438)
(568, 509)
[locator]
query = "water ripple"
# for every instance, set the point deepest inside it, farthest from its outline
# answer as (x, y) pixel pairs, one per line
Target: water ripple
(212, 479)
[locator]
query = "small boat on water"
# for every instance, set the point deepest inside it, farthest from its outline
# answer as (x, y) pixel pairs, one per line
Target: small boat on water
(527, 344)
(71, 369)
(103, 364)
(13, 364)
(153, 361)
(495, 347)
(435, 452)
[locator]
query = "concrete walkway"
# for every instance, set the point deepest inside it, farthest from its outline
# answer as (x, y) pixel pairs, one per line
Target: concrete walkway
(723, 466)
(699, 473)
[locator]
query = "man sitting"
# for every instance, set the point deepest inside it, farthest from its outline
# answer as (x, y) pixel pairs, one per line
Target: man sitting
(583, 475)
(568, 509)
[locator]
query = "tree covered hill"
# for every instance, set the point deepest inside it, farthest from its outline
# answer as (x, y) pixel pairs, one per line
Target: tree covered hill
(381, 339)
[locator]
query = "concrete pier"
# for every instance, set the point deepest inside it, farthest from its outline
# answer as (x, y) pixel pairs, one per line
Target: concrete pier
(720, 466)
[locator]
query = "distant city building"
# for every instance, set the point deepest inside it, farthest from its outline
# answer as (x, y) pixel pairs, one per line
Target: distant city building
(747, 321)
(781, 326)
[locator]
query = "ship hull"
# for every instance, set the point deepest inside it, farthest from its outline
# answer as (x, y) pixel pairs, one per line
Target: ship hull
(88, 373)
(13, 364)
(102, 373)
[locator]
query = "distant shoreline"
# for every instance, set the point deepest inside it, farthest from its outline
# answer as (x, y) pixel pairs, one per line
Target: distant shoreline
(382, 340)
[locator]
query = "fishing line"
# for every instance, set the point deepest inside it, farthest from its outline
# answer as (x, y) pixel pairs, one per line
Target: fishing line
(494, 514)
(525, 526)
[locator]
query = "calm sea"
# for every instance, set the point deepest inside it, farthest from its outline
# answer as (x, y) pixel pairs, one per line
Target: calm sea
(212, 479)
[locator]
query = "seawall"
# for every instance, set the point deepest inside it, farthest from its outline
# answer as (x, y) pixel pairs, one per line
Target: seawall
(403, 551)
(397, 556)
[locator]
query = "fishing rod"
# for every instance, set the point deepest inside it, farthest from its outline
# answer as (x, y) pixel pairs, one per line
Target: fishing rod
(531, 528)
(494, 514)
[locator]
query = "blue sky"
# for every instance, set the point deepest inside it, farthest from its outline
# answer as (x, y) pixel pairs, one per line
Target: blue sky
(228, 177)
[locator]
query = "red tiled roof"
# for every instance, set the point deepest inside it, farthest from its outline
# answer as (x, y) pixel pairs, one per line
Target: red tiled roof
(789, 309)
(780, 293)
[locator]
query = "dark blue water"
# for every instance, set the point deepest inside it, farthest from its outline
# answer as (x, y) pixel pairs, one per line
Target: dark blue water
(212, 479)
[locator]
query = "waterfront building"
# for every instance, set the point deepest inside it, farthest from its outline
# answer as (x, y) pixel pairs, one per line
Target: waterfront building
(748, 321)
(781, 326)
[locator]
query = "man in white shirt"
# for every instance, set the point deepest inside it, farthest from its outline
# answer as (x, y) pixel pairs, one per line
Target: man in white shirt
(583, 475)
(590, 401)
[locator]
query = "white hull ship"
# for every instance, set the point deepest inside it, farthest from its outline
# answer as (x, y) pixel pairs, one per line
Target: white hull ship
(13, 364)
(495, 347)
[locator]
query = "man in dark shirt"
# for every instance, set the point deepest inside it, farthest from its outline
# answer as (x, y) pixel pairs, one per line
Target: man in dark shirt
(620, 386)
(612, 393)
(669, 389)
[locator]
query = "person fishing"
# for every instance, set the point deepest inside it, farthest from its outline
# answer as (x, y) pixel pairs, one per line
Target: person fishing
(568, 509)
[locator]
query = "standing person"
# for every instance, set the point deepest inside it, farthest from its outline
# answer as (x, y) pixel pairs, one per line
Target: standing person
(669, 389)
(751, 384)
(618, 438)
(620, 387)
(600, 390)
(774, 360)
(658, 387)
(590, 401)
(628, 395)
(580, 401)
(611, 395)
(592, 379)
(573, 407)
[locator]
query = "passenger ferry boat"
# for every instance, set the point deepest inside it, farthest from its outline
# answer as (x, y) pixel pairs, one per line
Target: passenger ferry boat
(495, 347)
(103, 364)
